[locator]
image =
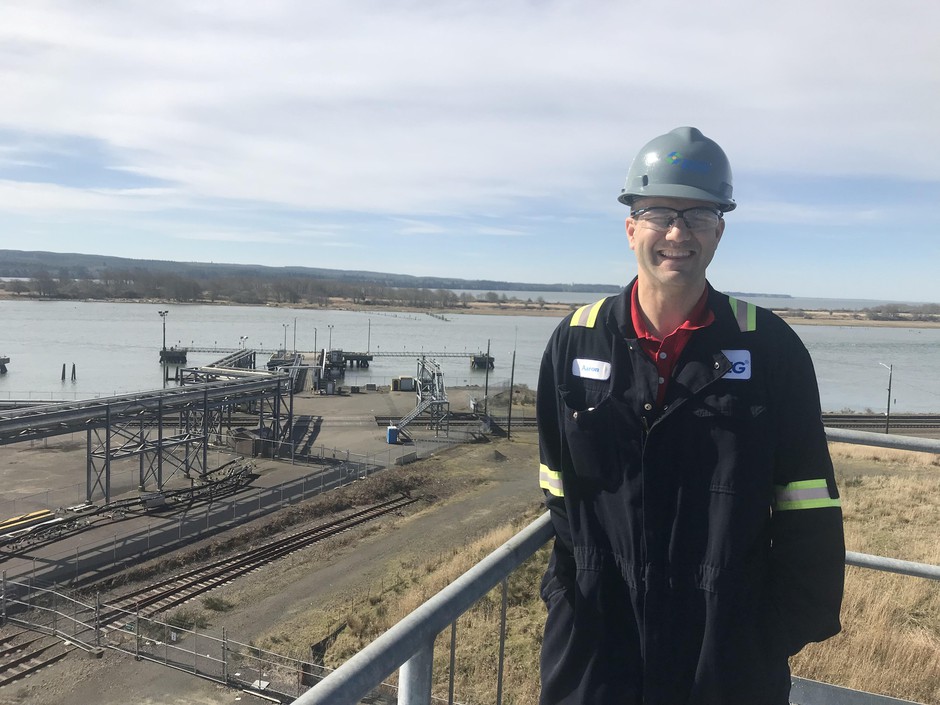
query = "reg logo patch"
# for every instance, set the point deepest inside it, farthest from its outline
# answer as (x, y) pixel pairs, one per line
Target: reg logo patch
(740, 364)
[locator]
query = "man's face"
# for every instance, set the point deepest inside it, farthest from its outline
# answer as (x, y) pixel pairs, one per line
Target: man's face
(675, 257)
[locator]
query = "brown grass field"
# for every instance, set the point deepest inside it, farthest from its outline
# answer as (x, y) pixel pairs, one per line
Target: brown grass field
(890, 643)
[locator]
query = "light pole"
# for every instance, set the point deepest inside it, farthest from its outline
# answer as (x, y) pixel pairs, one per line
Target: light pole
(890, 369)
(163, 316)
(330, 346)
(242, 339)
(315, 350)
(286, 326)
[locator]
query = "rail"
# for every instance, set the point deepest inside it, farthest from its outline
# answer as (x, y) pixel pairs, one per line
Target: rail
(409, 645)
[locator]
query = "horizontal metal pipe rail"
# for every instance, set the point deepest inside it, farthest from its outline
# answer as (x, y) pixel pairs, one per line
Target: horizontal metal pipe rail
(409, 644)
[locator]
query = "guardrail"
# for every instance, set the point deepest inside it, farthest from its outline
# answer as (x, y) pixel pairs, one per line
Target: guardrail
(409, 645)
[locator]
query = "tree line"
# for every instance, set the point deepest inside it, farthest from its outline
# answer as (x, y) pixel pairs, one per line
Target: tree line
(142, 284)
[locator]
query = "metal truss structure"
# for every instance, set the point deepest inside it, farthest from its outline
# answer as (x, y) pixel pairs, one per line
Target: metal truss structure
(431, 397)
(169, 431)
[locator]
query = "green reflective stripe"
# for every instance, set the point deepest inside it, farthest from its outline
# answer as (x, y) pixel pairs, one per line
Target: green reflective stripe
(805, 494)
(586, 316)
(745, 313)
(550, 481)
(808, 504)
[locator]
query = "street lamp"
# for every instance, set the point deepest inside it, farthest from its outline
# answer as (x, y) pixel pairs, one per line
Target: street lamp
(285, 326)
(330, 346)
(315, 343)
(242, 339)
(163, 316)
(890, 369)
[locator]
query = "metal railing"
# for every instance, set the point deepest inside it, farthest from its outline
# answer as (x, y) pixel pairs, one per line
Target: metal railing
(409, 645)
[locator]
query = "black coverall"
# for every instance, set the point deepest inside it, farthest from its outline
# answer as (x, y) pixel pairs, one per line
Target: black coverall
(700, 544)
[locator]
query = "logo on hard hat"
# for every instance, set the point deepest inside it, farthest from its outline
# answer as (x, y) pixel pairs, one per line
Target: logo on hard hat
(676, 159)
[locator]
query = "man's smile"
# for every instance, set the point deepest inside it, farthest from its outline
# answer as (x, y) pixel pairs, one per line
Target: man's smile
(675, 254)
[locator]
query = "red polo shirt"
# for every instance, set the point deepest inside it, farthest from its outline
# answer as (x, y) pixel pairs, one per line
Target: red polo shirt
(665, 353)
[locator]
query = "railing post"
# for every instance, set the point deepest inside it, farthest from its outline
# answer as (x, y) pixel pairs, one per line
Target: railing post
(453, 659)
(414, 677)
(502, 641)
(98, 619)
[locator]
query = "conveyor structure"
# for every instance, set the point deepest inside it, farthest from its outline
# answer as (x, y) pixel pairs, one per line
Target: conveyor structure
(137, 425)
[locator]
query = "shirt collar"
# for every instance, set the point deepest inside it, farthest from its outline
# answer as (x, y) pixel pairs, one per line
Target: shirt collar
(700, 316)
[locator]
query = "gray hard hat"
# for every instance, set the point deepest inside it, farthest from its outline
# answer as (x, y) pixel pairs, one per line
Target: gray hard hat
(683, 163)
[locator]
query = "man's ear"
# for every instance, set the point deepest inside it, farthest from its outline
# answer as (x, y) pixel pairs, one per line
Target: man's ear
(631, 229)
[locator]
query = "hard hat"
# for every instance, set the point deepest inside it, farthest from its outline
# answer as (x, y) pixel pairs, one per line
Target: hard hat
(683, 163)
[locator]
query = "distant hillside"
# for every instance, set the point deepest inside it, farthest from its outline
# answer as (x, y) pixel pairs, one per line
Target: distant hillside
(18, 263)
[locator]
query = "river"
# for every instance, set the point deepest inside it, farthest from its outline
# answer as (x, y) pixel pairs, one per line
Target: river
(115, 348)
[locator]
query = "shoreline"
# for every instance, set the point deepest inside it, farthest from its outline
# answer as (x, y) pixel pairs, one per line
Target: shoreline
(808, 317)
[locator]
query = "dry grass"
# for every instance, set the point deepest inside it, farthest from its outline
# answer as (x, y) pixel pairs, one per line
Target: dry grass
(477, 651)
(883, 457)
(890, 642)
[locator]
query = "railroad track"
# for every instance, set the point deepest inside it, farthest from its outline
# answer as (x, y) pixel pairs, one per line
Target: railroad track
(877, 421)
(874, 422)
(464, 419)
(165, 594)
(23, 652)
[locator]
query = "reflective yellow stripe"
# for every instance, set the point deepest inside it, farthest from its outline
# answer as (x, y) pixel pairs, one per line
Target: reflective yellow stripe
(550, 481)
(805, 494)
(745, 313)
(586, 316)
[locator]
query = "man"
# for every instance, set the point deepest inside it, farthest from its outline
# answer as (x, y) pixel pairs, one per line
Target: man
(684, 462)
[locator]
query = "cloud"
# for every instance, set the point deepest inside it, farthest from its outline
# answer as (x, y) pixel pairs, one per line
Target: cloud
(419, 108)
(447, 118)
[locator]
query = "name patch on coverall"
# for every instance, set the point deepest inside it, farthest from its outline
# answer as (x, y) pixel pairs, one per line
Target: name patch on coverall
(590, 369)
(740, 364)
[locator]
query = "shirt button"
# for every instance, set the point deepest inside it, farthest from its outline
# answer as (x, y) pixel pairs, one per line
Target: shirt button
(717, 365)
(574, 415)
(662, 356)
(648, 407)
(661, 380)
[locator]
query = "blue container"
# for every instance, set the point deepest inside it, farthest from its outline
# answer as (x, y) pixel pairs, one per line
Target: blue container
(391, 435)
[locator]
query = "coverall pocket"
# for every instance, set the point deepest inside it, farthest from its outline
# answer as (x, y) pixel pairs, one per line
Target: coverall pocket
(590, 433)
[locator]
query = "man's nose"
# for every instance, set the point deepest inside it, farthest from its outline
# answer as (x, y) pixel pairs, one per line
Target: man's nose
(678, 229)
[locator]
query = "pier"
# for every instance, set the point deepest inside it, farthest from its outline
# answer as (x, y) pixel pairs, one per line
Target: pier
(173, 356)
(337, 358)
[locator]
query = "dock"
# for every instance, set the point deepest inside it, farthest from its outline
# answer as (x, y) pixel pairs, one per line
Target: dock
(337, 358)
(173, 356)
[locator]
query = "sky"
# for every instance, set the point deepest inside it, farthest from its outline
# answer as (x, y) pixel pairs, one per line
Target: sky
(473, 138)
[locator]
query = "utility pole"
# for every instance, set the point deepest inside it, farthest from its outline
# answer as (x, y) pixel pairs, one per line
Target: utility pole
(512, 376)
(486, 382)
(890, 369)
(163, 316)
